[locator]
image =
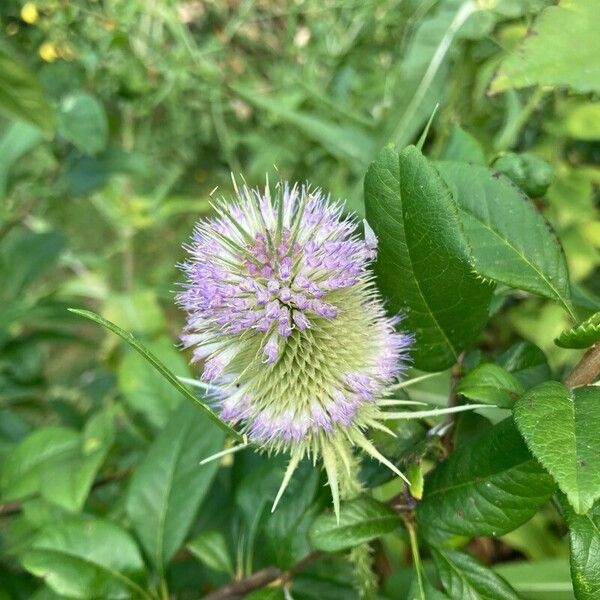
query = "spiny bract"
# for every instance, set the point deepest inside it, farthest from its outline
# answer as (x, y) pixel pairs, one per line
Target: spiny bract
(282, 309)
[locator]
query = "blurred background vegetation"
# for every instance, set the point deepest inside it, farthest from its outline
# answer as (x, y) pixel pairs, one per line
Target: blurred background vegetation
(118, 120)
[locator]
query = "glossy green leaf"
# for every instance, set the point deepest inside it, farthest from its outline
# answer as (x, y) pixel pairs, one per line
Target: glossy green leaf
(21, 96)
(584, 538)
(562, 48)
(169, 485)
(159, 366)
(422, 267)
(491, 384)
(210, 548)
(145, 389)
(88, 559)
(527, 363)
(466, 578)
(560, 427)
(58, 463)
(488, 486)
(584, 335)
(286, 530)
(82, 121)
(361, 520)
(511, 242)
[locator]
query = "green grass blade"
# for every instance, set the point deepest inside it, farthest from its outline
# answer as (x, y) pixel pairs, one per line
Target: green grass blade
(159, 366)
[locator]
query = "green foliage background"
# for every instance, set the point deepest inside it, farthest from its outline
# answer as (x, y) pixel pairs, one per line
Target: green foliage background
(119, 118)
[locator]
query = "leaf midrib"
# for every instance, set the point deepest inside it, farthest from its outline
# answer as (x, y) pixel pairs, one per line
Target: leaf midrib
(112, 572)
(478, 481)
(507, 243)
(416, 280)
(162, 514)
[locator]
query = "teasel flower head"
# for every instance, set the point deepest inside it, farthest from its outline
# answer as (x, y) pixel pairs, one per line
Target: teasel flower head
(282, 310)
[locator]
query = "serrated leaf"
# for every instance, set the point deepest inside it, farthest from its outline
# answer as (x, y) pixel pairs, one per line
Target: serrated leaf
(422, 267)
(584, 335)
(561, 49)
(87, 559)
(169, 485)
(466, 578)
(560, 428)
(361, 520)
(159, 366)
(511, 242)
(584, 539)
(210, 547)
(488, 486)
(21, 96)
(491, 384)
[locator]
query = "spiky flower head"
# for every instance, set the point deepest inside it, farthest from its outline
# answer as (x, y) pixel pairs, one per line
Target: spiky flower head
(283, 312)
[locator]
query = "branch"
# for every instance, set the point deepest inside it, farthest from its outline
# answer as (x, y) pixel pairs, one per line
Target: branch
(587, 370)
(260, 579)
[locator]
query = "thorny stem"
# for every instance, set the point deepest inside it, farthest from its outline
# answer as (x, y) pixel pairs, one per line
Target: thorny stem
(361, 556)
(587, 370)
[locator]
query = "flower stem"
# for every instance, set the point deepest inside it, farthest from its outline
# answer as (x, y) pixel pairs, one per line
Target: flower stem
(414, 548)
(361, 556)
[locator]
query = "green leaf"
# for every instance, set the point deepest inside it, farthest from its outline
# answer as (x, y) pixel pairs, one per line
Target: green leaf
(488, 486)
(584, 538)
(82, 121)
(466, 578)
(24, 257)
(160, 367)
(168, 487)
(286, 530)
(21, 96)
(144, 388)
(559, 426)
(346, 142)
(266, 593)
(138, 312)
(210, 547)
(58, 463)
(584, 335)
(511, 242)
(491, 384)
(527, 363)
(87, 559)
(422, 267)
(539, 580)
(19, 139)
(463, 147)
(561, 49)
(361, 520)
